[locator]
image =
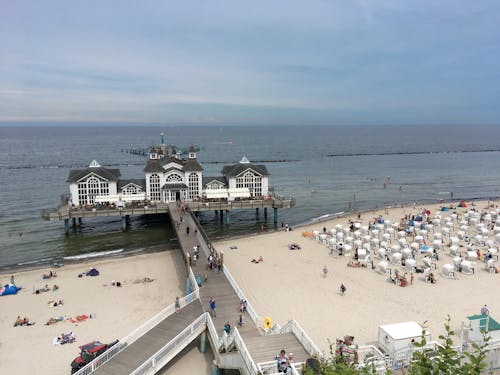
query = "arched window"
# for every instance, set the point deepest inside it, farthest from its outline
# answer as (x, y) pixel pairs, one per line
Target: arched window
(90, 188)
(193, 186)
(175, 178)
(252, 182)
(154, 188)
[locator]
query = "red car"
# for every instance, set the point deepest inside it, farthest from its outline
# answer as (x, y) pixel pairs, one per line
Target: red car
(88, 353)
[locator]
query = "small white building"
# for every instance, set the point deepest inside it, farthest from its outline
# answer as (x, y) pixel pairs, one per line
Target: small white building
(399, 337)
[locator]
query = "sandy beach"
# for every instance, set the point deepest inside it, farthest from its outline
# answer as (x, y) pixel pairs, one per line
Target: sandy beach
(290, 285)
(287, 285)
(117, 310)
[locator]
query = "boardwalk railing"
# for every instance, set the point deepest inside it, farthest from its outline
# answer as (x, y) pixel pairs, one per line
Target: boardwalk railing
(245, 354)
(251, 312)
(136, 334)
(370, 355)
(271, 368)
(174, 347)
(203, 234)
(301, 335)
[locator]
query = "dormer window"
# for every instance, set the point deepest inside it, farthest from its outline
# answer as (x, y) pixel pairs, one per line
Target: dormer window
(153, 156)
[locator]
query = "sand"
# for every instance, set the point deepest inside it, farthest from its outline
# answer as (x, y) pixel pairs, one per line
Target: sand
(118, 311)
(289, 285)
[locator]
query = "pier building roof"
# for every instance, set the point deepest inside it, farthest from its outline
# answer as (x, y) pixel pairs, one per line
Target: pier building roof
(109, 174)
(220, 179)
(192, 165)
(135, 181)
(237, 169)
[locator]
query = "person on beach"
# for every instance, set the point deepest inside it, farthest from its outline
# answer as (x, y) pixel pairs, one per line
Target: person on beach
(325, 271)
(342, 289)
(212, 307)
(484, 310)
(177, 305)
(12, 281)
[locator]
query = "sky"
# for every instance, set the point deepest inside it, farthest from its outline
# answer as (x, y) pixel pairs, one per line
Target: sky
(329, 62)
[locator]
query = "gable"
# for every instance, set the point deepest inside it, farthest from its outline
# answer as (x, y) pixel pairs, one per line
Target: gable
(92, 174)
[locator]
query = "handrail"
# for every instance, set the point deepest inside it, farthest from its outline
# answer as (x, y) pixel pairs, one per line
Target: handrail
(136, 334)
(251, 312)
(294, 327)
(245, 354)
(204, 236)
(158, 358)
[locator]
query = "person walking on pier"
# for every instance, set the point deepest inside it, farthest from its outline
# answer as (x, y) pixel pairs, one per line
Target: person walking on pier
(177, 305)
(212, 307)
(187, 231)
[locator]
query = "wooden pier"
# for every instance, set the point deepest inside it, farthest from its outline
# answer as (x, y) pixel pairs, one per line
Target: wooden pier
(76, 215)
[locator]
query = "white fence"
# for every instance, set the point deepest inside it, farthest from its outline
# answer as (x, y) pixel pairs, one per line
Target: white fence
(245, 354)
(140, 331)
(305, 340)
(251, 312)
(169, 351)
(271, 368)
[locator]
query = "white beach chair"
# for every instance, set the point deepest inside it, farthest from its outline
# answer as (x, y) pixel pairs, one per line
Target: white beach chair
(383, 267)
(449, 271)
(467, 267)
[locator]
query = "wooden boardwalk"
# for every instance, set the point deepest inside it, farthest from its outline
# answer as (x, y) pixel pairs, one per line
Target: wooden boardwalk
(261, 348)
(141, 350)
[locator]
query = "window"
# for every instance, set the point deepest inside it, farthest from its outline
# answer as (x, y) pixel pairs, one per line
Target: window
(131, 189)
(193, 186)
(90, 188)
(154, 187)
(175, 178)
(250, 181)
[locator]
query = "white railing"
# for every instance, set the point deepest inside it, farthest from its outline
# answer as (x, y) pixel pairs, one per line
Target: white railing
(169, 351)
(245, 354)
(402, 358)
(137, 333)
(370, 355)
(271, 368)
(301, 335)
(251, 312)
(192, 280)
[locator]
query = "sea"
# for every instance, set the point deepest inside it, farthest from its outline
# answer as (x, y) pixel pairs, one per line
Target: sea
(329, 170)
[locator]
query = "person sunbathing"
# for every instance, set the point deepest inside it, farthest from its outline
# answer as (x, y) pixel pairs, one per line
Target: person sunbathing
(354, 264)
(23, 322)
(18, 322)
(260, 260)
(51, 321)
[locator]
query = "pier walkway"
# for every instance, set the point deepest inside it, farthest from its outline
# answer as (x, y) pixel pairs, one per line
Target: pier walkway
(134, 355)
(250, 349)
(262, 348)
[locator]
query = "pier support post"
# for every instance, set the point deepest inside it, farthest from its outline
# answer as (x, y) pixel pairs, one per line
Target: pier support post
(124, 223)
(265, 213)
(66, 225)
(74, 222)
(79, 221)
(221, 213)
(127, 219)
(275, 216)
(228, 217)
(203, 342)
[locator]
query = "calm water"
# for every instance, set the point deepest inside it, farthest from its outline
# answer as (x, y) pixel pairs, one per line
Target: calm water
(327, 169)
